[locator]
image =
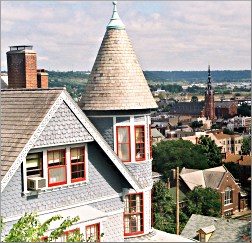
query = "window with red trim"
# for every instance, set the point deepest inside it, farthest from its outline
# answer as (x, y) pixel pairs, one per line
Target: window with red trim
(57, 167)
(133, 214)
(151, 141)
(123, 143)
(64, 237)
(93, 233)
(78, 172)
(140, 143)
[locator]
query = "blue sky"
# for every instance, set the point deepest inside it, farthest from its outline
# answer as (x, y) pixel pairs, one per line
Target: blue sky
(166, 35)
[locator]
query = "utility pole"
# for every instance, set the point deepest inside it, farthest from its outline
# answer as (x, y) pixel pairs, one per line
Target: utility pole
(177, 200)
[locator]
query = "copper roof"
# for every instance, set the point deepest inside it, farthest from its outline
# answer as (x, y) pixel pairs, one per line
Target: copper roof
(116, 81)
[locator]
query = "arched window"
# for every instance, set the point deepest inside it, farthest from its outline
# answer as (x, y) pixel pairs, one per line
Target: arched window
(228, 196)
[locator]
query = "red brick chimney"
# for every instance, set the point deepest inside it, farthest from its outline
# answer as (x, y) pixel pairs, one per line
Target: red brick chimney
(42, 78)
(22, 69)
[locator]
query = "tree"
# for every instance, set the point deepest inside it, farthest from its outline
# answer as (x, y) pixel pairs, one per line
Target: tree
(246, 146)
(169, 154)
(227, 131)
(164, 208)
(203, 201)
(196, 124)
(244, 109)
(30, 229)
(211, 151)
(194, 99)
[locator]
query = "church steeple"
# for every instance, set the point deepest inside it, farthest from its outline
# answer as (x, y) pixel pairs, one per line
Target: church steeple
(209, 98)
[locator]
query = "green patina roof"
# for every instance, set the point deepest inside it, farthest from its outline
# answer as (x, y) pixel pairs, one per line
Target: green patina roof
(115, 21)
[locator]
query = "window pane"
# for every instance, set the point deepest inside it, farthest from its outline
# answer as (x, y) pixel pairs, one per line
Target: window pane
(123, 152)
(140, 134)
(123, 135)
(57, 175)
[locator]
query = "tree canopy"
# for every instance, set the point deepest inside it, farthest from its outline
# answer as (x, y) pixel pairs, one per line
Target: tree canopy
(246, 146)
(169, 154)
(211, 151)
(203, 201)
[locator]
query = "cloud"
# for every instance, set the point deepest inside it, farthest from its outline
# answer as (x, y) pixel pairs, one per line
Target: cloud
(166, 35)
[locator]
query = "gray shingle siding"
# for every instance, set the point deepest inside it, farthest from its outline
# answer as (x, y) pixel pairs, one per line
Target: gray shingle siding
(105, 126)
(63, 128)
(104, 180)
(142, 172)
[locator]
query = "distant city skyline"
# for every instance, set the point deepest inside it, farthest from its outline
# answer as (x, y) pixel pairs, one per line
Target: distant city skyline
(166, 35)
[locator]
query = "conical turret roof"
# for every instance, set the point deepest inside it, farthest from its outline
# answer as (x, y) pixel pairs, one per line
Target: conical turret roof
(116, 81)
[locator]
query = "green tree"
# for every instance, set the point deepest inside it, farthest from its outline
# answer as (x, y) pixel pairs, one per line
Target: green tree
(211, 151)
(30, 229)
(196, 124)
(244, 109)
(164, 208)
(169, 154)
(203, 201)
(233, 168)
(194, 99)
(246, 146)
(227, 131)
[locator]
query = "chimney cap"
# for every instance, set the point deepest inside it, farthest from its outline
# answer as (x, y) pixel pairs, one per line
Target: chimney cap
(21, 47)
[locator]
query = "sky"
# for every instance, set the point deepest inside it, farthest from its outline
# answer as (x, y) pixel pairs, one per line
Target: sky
(166, 35)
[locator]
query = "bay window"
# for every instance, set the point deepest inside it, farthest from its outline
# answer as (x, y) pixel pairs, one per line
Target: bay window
(151, 141)
(93, 233)
(56, 167)
(133, 214)
(78, 172)
(123, 143)
(140, 142)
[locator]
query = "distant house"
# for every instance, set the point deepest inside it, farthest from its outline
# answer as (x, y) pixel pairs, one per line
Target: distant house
(212, 229)
(156, 136)
(218, 178)
(223, 108)
(225, 140)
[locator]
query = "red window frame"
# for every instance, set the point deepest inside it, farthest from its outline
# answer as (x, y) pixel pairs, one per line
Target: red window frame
(117, 142)
(140, 144)
(79, 163)
(97, 233)
(66, 233)
(134, 214)
(151, 141)
(55, 167)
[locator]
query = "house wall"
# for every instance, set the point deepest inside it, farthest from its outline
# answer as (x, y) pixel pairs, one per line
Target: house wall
(228, 181)
(104, 181)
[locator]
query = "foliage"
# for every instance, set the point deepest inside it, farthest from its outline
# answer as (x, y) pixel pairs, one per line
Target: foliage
(246, 146)
(203, 201)
(216, 126)
(196, 124)
(194, 99)
(233, 168)
(244, 109)
(173, 88)
(169, 154)
(211, 151)
(164, 208)
(227, 131)
(30, 229)
(196, 89)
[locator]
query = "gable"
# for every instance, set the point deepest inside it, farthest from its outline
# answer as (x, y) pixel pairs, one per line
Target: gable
(63, 128)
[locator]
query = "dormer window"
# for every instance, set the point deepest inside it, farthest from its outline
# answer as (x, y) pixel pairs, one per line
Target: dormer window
(78, 172)
(34, 164)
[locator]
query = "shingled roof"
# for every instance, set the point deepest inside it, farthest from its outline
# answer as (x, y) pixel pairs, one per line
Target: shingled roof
(25, 114)
(116, 81)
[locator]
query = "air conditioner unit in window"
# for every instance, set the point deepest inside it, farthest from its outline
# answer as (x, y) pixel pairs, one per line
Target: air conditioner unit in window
(36, 183)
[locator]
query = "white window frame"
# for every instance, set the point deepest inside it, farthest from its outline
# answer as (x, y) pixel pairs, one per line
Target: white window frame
(228, 196)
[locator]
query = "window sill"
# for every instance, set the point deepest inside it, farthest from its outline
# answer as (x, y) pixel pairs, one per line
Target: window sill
(53, 189)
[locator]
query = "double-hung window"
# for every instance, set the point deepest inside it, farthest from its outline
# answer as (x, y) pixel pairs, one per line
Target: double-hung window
(93, 233)
(78, 169)
(228, 195)
(56, 167)
(140, 143)
(133, 214)
(123, 143)
(34, 164)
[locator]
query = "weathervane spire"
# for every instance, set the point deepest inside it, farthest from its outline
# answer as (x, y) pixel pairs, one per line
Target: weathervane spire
(115, 21)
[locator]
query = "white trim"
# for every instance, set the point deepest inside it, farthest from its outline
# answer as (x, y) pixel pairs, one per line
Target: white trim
(132, 140)
(9, 219)
(62, 144)
(31, 142)
(68, 164)
(144, 114)
(64, 96)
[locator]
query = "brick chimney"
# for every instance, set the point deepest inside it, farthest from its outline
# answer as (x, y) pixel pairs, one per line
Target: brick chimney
(42, 78)
(22, 69)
